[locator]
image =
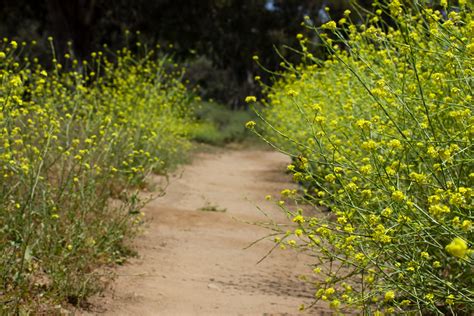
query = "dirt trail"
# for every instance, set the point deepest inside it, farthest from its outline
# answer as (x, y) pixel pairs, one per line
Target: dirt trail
(192, 262)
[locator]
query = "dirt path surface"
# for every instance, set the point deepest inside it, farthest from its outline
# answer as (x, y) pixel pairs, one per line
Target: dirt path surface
(191, 258)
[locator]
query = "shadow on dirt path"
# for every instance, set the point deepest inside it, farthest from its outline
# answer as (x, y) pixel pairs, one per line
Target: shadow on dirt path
(191, 257)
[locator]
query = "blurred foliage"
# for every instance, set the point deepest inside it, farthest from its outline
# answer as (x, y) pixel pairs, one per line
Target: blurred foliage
(218, 36)
(217, 125)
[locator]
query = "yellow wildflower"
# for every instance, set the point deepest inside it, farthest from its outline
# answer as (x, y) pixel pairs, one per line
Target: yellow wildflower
(457, 248)
(250, 124)
(389, 296)
(250, 99)
(331, 25)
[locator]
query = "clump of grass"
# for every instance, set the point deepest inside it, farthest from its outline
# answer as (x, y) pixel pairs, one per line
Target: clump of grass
(212, 208)
(381, 133)
(78, 140)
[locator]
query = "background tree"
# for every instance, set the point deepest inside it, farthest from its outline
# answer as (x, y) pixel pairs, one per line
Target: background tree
(215, 38)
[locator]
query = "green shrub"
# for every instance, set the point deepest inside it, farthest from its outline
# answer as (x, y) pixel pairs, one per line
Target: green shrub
(218, 125)
(207, 133)
(381, 135)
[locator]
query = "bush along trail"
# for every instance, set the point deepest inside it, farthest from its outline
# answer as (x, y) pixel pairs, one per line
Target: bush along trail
(77, 141)
(381, 134)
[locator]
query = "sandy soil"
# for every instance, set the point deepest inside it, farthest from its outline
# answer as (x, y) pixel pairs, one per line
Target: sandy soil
(193, 262)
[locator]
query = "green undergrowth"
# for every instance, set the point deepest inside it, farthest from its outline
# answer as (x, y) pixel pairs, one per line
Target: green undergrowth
(218, 125)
